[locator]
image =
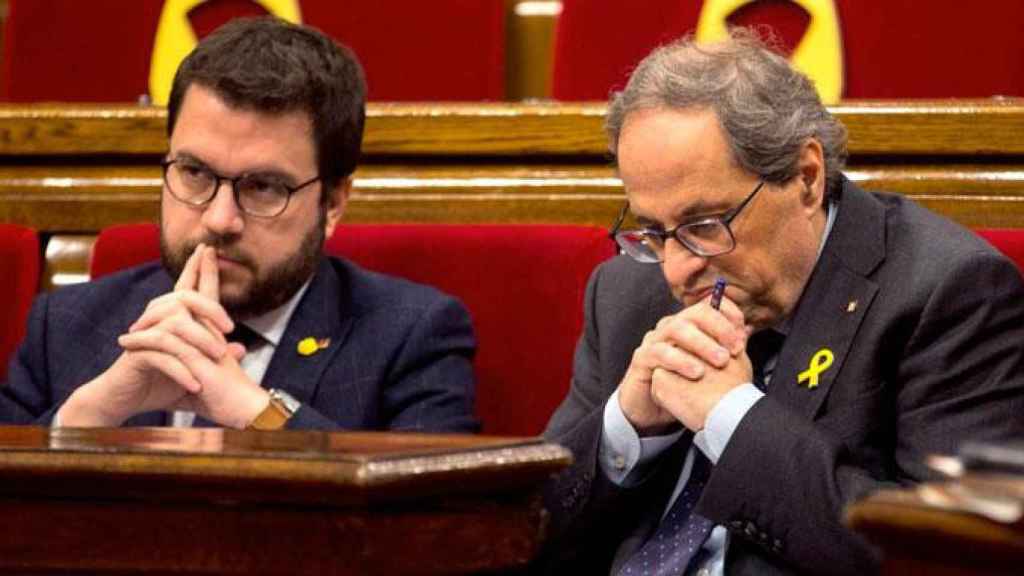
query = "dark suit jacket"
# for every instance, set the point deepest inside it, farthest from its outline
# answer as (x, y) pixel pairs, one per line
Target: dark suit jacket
(399, 356)
(926, 324)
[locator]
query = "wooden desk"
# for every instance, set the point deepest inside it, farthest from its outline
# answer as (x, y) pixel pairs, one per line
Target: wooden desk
(920, 539)
(209, 501)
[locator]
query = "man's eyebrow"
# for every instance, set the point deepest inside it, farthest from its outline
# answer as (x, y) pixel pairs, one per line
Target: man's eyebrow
(645, 222)
(262, 171)
(190, 158)
(697, 210)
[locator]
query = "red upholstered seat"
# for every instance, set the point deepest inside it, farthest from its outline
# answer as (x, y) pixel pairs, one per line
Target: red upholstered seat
(1009, 241)
(75, 50)
(523, 286)
(939, 49)
(19, 271)
(123, 246)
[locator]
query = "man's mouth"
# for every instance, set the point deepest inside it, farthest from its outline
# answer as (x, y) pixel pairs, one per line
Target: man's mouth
(698, 294)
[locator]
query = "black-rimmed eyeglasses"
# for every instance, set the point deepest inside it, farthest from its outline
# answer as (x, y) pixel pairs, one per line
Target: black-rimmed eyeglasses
(259, 195)
(707, 236)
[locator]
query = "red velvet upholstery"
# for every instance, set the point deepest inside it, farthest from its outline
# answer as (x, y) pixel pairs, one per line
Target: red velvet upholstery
(523, 286)
(940, 49)
(19, 271)
(100, 50)
(123, 246)
(1009, 241)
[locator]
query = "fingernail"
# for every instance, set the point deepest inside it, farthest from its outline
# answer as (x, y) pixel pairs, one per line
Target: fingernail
(720, 356)
(739, 343)
(697, 370)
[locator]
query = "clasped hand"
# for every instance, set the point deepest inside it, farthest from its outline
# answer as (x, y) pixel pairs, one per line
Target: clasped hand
(176, 357)
(684, 367)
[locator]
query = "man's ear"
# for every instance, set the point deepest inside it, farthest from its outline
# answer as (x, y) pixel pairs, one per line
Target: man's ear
(811, 170)
(337, 201)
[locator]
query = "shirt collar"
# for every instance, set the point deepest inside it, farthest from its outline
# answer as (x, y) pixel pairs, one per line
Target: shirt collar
(271, 325)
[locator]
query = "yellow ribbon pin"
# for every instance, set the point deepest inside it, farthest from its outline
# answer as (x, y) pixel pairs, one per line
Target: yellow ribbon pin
(309, 346)
(820, 362)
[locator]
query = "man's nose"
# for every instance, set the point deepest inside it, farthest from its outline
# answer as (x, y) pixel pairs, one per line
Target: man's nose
(680, 264)
(222, 215)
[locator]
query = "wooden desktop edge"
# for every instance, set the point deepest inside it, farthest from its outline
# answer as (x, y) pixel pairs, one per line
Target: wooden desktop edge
(333, 468)
(912, 532)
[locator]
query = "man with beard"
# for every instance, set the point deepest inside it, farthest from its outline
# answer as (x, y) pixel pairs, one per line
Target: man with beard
(246, 324)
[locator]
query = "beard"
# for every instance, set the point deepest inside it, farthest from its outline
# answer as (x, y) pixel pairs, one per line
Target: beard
(270, 287)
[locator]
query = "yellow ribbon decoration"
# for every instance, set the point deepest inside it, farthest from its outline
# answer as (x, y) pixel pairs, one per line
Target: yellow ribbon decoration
(819, 54)
(175, 39)
(309, 345)
(819, 363)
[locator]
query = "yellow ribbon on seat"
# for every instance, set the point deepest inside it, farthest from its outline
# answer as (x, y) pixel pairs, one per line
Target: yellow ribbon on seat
(175, 39)
(819, 54)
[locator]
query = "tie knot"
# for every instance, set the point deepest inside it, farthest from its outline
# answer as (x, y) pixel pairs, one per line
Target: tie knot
(244, 335)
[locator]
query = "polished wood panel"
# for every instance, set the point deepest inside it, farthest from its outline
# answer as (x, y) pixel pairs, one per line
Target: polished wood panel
(74, 169)
(919, 539)
(87, 198)
(212, 501)
(973, 127)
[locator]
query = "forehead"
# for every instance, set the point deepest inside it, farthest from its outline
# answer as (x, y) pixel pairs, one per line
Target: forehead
(235, 140)
(676, 162)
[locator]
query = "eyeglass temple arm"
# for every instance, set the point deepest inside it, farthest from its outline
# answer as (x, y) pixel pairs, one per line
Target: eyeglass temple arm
(618, 221)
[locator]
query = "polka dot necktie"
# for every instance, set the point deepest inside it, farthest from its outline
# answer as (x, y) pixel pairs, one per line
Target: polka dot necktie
(681, 533)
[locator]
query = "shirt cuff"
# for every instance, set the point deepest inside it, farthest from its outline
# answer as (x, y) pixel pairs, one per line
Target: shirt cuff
(624, 456)
(724, 418)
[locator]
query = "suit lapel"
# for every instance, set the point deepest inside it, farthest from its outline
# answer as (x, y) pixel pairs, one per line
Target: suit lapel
(318, 316)
(833, 305)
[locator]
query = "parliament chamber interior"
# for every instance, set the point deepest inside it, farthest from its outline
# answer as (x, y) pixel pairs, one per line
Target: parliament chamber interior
(484, 136)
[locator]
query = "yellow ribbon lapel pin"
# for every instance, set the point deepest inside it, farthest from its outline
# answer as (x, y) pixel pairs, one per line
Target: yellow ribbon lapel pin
(820, 362)
(309, 346)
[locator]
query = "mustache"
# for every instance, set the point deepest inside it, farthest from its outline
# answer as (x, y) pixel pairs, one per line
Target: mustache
(227, 247)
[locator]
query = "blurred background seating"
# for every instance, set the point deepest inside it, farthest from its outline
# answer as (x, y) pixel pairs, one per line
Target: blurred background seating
(19, 280)
(465, 50)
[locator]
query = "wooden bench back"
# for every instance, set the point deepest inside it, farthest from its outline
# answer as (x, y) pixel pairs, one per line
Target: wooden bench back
(71, 170)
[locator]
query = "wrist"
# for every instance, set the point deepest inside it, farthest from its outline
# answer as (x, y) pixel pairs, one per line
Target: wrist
(85, 409)
(254, 405)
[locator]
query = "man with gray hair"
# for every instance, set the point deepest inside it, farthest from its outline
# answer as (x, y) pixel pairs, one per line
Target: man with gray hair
(724, 431)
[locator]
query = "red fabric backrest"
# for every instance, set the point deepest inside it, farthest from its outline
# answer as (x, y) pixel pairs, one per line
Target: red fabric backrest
(100, 50)
(1009, 241)
(523, 286)
(123, 246)
(19, 282)
(891, 48)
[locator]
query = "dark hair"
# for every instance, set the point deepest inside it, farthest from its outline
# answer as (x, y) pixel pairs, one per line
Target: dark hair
(271, 66)
(767, 108)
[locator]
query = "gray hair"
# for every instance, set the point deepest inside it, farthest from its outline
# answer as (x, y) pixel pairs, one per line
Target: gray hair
(767, 109)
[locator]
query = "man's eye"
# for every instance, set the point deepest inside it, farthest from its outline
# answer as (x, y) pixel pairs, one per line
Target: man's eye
(652, 236)
(262, 184)
(710, 229)
(263, 187)
(190, 170)
(194, 176)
